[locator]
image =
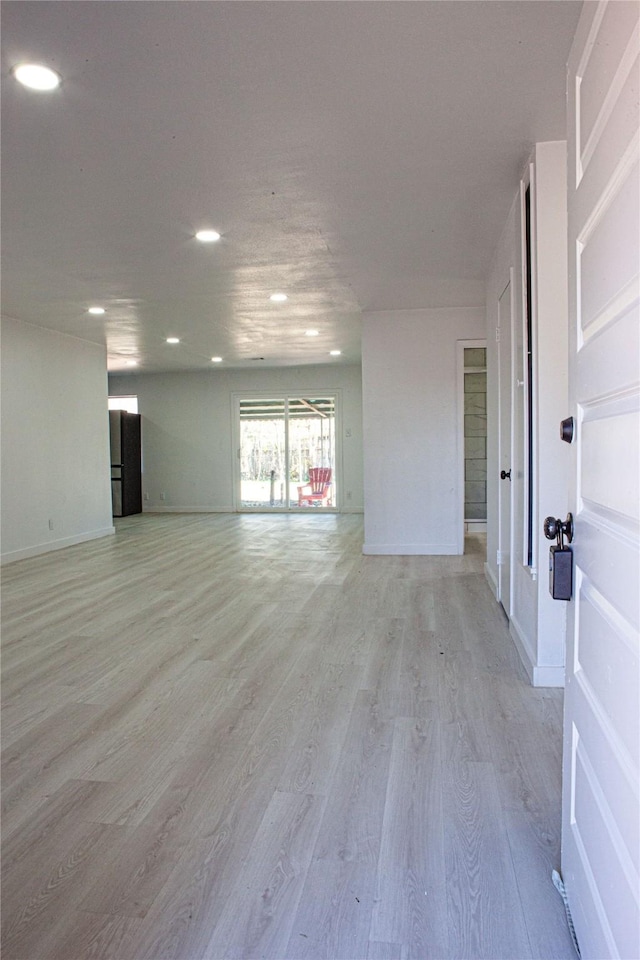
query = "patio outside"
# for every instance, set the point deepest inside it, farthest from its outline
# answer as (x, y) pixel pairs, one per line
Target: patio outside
(280, 441)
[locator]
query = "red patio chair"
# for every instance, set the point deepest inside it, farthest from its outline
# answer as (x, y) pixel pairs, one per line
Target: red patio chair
(318, 490)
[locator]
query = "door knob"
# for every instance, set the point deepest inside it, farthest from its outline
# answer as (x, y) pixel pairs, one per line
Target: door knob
(505, 474)
(556, 529)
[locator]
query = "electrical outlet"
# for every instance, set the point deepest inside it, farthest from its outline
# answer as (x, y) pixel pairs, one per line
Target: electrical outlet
(347, 432)
(163, 495)
(348, 494)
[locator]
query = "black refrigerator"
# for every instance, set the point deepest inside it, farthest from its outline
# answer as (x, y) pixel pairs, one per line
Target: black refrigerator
(126, 463)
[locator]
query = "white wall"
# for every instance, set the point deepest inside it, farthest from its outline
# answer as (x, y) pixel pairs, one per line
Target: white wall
(187, 429)
(55, 441)
(537, 622)
(411, 434)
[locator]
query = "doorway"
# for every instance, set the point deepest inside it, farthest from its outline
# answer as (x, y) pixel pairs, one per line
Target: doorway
(286, 453)
(472, 431)
(505, 406)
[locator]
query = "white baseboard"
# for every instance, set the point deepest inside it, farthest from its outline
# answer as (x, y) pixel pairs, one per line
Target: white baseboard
(523, 647)
(163, 508)
(39, 548)
(157, 508)
(548, 676)
(539, 675)
(475, 526)
(491, 580)
(411, 549)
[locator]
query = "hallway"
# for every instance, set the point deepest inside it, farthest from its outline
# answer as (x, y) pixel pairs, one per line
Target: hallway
(234, 736)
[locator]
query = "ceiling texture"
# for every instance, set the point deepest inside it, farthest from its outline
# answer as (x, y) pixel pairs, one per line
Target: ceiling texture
(357, 156)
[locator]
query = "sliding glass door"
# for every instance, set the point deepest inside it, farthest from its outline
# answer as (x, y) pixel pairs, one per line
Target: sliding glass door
(287, 453)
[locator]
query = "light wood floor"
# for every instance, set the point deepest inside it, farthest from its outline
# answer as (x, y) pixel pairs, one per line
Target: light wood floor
(236, 737)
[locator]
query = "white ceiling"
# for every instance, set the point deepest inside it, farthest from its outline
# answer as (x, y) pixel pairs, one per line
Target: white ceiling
(356, 155)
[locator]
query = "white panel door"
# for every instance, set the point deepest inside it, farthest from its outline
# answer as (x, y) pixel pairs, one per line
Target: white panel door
(601, 812)
(505, 368)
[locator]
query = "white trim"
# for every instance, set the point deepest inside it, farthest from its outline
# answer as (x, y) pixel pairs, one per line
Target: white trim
(411, 549)
(292, 511)
(40, 548)
(508, 390)
(539, 675)
(232, 509)
(548, 677)
(523, 647)
(530, 492)
(492, 581)
(512, 440)
(178, 509)
(475, 526)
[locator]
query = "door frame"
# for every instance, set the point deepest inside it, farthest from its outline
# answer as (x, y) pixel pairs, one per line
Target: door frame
(461, 346)
(508, 390)
(289, 394)
(529, 309)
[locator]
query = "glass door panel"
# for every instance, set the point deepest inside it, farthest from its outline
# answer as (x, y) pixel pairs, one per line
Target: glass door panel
(312, 476)
(263, 454)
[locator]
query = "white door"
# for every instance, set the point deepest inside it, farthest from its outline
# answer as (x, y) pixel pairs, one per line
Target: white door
(504, 453)
(601, 813)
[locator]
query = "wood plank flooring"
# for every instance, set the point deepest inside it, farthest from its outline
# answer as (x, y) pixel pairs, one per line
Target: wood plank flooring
(236, 737)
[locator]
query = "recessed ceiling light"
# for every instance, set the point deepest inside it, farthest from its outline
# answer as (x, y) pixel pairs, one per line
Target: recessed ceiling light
(96, 310)
(216, 359)
(278, 297)
(312, 333)
(335, 353)
(173, 339)
(207, 236)
(36, 77)
(132, 363)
